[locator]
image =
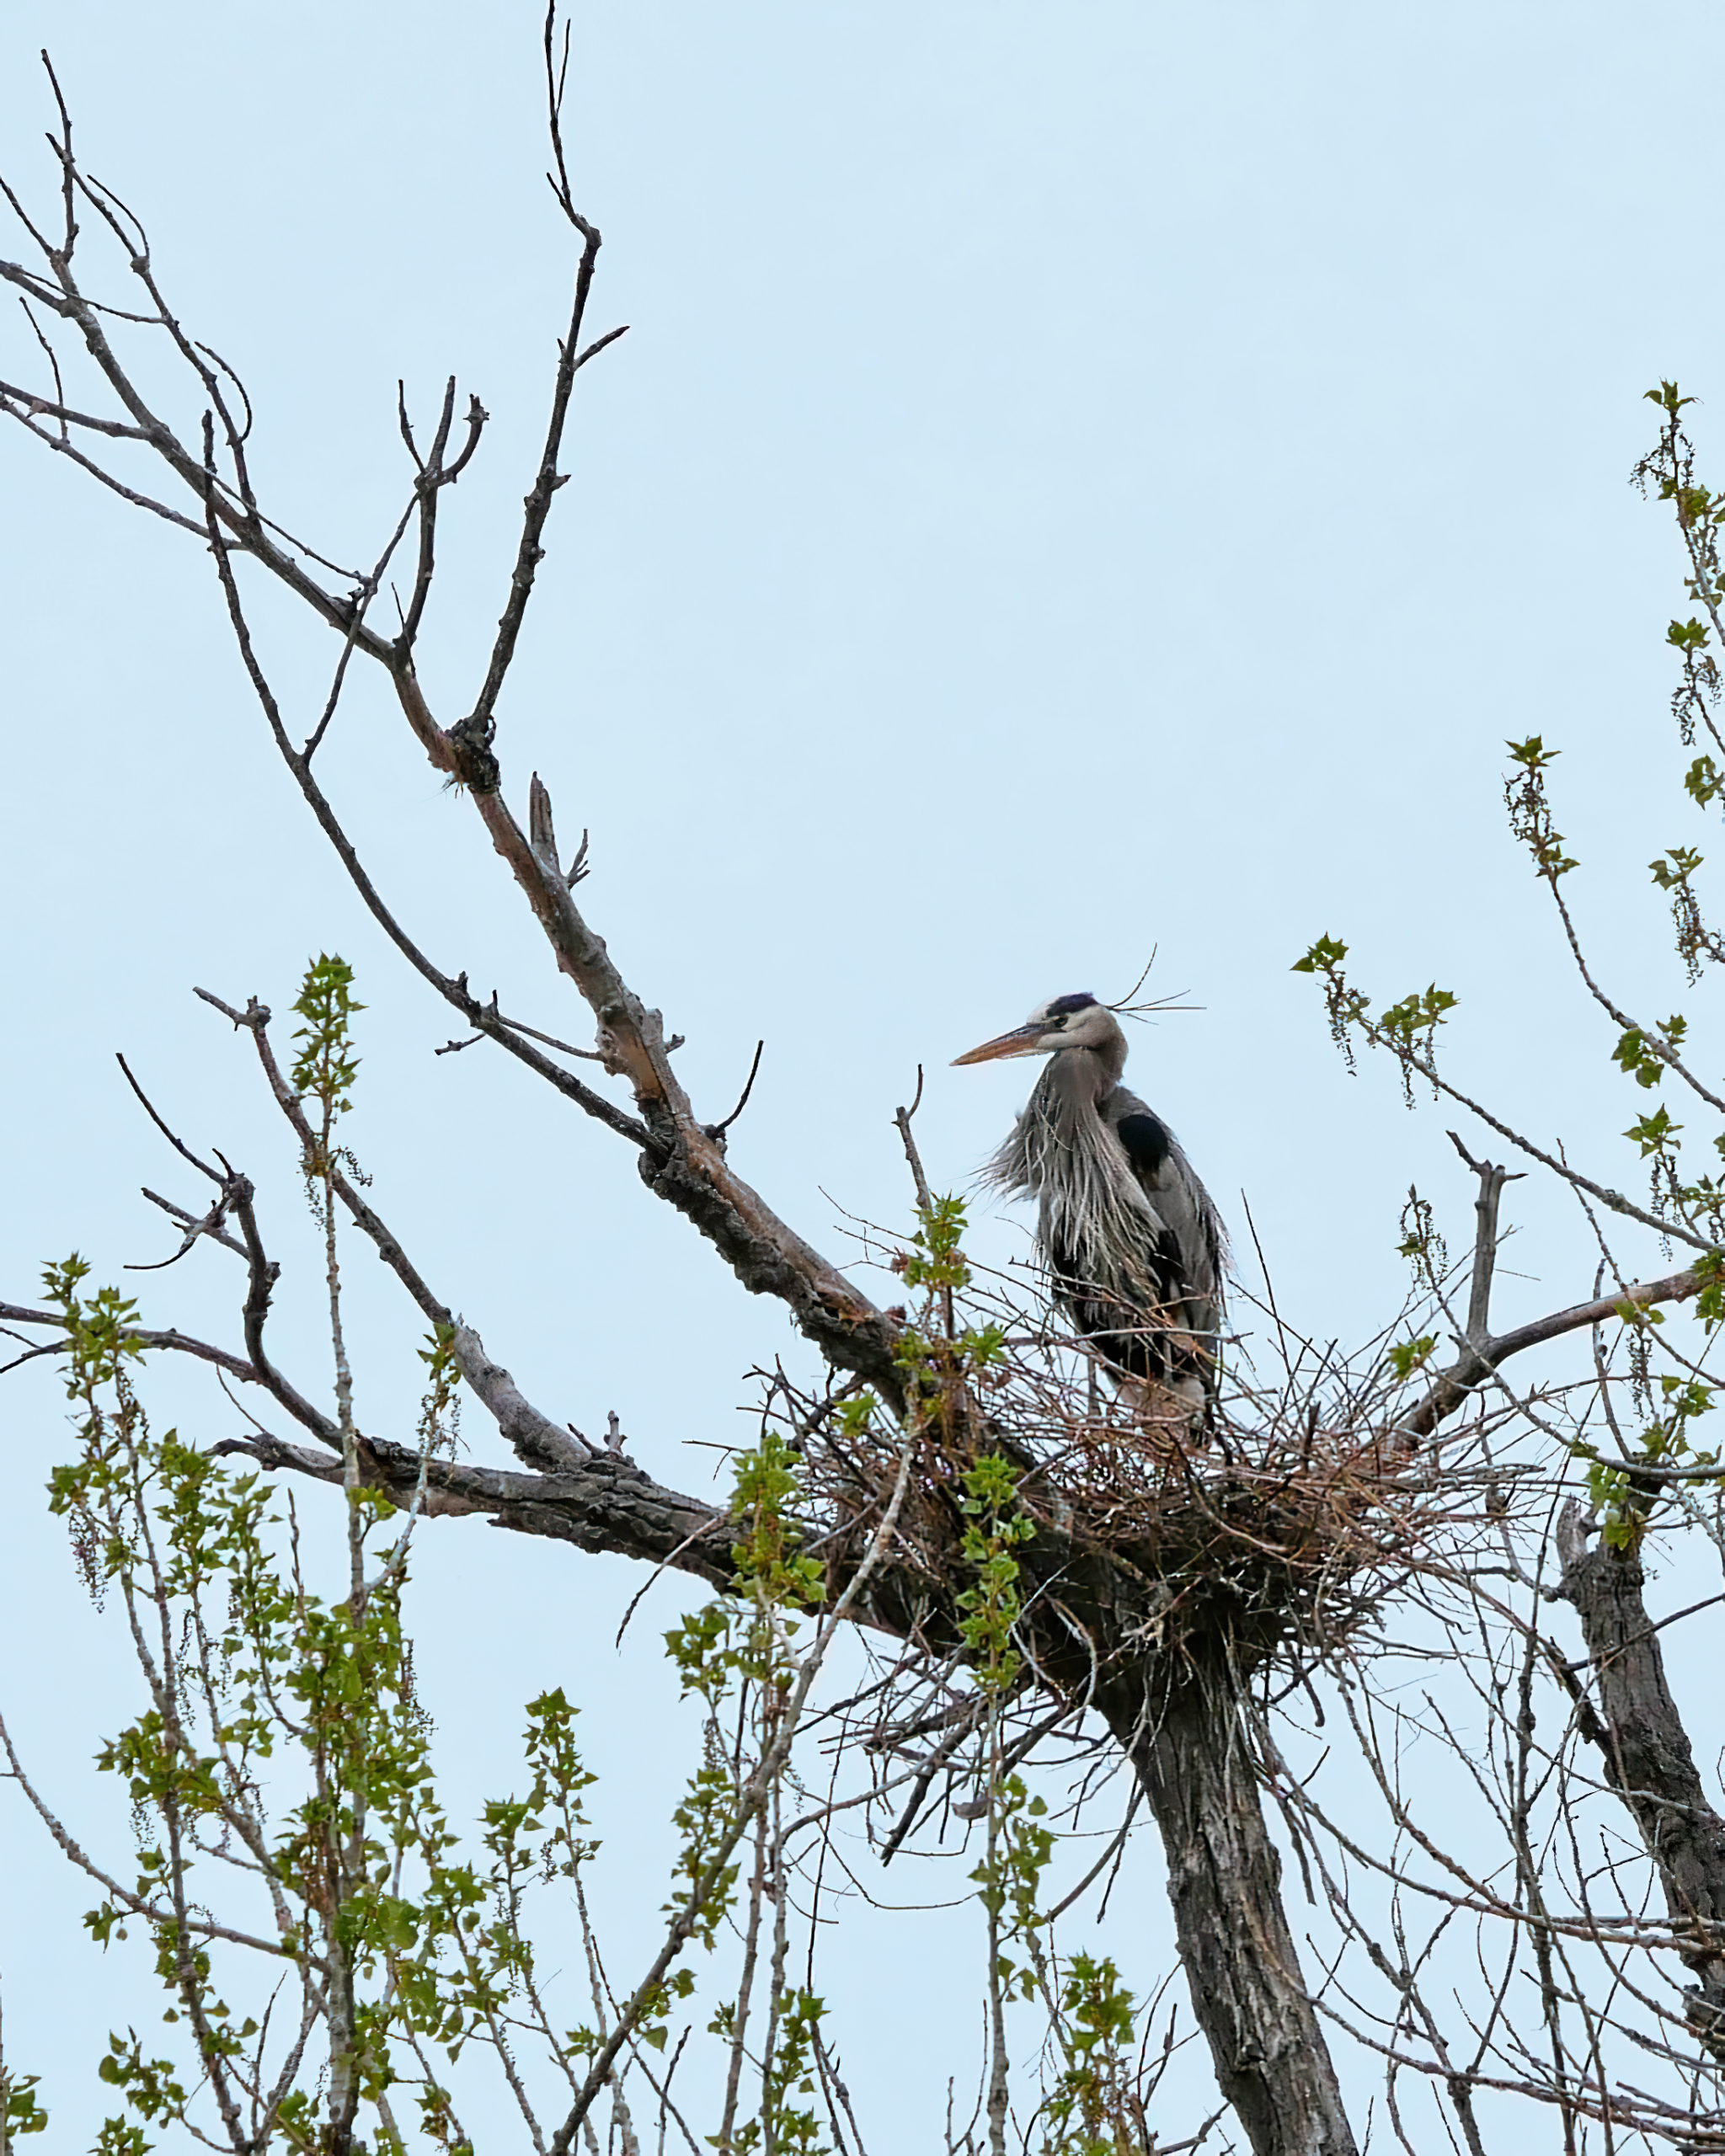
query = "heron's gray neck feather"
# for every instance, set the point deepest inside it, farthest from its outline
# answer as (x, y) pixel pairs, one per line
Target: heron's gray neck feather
(1062, 1152)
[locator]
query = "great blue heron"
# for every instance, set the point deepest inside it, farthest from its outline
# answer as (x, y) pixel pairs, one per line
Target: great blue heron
(1132, 1245)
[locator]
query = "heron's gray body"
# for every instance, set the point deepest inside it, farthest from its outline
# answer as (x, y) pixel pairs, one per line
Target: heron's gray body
(1133, 1245)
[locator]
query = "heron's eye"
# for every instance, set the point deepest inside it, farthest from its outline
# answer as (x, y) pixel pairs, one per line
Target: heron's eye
(1054, 1022)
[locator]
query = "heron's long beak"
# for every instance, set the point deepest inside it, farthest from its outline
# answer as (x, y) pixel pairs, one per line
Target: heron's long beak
(1021, 1041)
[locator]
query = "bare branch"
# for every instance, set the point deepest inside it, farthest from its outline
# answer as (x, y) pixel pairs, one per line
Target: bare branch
(603, 1505)
(434, 475)
(1654, 1038)
(210, 1225)
(1491, 1179)
(453, 991)
(681, 1163)
(903, 1120)
(184, 1151)
(183, 1343)
(64, 447)
(716, 1131)
(1451, 1387)
(54, 408)
(534, 1437)
(598, 344)
(206, 1226)
(1614, 1201)
(479, 722)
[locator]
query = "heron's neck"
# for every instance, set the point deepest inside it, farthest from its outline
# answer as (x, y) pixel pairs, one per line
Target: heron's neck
(1080, 1078)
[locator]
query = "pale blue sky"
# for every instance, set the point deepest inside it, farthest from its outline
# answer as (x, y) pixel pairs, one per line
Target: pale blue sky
(1078, 478)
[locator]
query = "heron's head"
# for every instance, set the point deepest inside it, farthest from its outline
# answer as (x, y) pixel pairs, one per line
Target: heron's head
(1065, 1021)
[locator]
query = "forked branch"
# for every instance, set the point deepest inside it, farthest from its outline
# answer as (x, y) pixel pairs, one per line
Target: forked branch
(682, 1162)
(1478, 1363)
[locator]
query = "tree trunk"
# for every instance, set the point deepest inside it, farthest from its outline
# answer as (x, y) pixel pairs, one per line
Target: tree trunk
(1184, 1738)
(1648, 1758)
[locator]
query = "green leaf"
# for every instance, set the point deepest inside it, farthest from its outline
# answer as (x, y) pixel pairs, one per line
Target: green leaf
(1408, 1356)
(1704, 781)
(1324, 957)
(1654, 1133)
